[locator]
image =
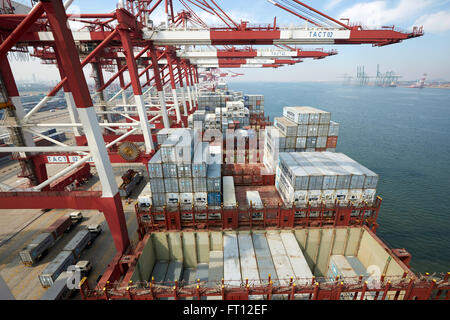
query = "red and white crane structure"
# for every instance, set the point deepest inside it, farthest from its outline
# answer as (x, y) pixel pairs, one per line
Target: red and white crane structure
(163, 69)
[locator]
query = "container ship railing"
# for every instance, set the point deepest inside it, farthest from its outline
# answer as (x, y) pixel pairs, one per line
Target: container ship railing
(243, 217)
(406, 287)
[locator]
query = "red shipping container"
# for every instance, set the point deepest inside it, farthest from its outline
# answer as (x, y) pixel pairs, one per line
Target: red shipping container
(237, 180)
(58, 227)
(247, 180)
(332, 141)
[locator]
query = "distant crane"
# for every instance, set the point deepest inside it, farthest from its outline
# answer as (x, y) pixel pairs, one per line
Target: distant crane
(361, 76)
(388, 79)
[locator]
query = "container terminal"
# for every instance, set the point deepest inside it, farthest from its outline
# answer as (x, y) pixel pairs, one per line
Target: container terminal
(173, 186)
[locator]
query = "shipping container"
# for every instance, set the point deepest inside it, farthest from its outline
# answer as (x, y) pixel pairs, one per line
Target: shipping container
(214, 178)
(78, 243)
(302, 272)
(37, 248)
(231, 263)
(302, 130)
(200, 198)
(201, 158)
(199, 184)
(158, 199)
(63, 260)
(60, 226)
(254, 200)
(334, 129)
(286, 126)
(60, 289)
(187, 198)
(170, 170)
(214, 198)
(157, 185)
(172, 199)
(229, 195)
(185, 185)
(171, 185)
(155, 166)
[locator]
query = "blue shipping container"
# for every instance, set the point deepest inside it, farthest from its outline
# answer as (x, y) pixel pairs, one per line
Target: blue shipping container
(214, 199)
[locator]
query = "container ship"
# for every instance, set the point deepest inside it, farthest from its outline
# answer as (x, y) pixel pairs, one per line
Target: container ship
(234, 205)
(238, 207)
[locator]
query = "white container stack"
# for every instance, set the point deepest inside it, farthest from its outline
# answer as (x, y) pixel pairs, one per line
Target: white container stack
(301, 129)
(323, 177)
(220, 109)
(171, 170)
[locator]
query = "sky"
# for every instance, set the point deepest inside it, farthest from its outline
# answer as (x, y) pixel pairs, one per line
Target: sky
(410, 59)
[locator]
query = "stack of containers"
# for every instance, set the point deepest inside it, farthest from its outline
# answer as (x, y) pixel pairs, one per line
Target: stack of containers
(214, 177)
(209, 101)
(301, 129)
(254, 103)
(199, 171)
(323, 177)
(170, 170)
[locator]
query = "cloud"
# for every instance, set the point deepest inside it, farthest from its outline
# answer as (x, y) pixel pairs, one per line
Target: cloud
(434, 22)
(331, 4)
(379, 13)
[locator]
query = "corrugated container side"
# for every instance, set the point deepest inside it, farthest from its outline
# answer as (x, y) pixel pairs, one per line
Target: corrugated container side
(77, 244)
(55, 268)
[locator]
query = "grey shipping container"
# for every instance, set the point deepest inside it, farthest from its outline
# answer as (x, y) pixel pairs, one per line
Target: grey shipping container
(199, 184)
(170, 170)
(59, 289)
(185, 185)
(171, 185)
(157, 185)
(78, 243)
(185, 170)
(323, 130)
(321, 142)
(302, 130)
(36, 248)
(315, 176)
(334, 129)
(313, 130)
(311, 142)
(154, 166)
(56, 267)
(158, 199)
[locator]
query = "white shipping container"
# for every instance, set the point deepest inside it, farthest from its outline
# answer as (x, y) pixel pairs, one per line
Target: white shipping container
(286, 126)
(302, 130)
(300, 143)
(334, 129)
(247, 257)
(172, 199)
(254, 200)
(187, 198)
(231, 263)
(313, 130)
(200, 198)
(154, 166)
(229, 195)
(303, 274)
(280, 258)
